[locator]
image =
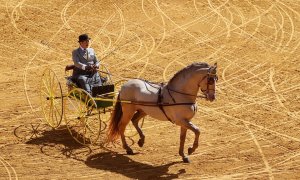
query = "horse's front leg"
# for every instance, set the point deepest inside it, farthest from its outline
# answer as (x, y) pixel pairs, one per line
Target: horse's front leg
(196, 130)
(181, 147)
(188, 125)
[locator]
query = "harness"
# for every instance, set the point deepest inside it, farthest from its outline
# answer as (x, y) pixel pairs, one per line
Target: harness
(160, 103)
(210, 77)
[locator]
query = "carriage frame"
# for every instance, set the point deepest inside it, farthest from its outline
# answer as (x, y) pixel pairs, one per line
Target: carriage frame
(85, 116)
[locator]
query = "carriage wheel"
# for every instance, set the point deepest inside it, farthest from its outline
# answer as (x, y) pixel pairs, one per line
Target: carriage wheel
(82, 117)
(51, 98)
(104, 72)
(105, 114)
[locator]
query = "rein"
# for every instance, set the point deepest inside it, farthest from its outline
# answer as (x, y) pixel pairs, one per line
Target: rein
(161, 84)
(197, 96)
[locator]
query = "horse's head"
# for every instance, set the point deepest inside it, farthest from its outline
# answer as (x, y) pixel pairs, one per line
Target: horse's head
(208, 83)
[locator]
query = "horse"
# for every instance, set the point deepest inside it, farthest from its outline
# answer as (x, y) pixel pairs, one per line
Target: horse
(174, 102)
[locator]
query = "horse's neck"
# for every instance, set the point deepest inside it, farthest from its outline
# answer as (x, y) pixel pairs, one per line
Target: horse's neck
(186, 85)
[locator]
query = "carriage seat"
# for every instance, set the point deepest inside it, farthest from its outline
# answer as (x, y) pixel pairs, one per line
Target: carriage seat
(96, 90)
(69, 67)
(70, 81)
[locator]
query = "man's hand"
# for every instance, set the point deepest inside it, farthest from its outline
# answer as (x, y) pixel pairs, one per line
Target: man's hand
(88, 68)
(94, 68)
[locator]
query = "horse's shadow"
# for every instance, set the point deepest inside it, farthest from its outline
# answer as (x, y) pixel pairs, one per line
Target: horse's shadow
(121, 164)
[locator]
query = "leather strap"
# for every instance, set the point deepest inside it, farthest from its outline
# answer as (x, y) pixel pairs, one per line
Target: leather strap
(160, 104)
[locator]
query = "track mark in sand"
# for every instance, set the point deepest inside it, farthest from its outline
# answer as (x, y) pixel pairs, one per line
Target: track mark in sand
(287, 160)
(242, 18)
(237, 79)
(278, 97)
(122, 22)
(275, 133)
(183, 65)
(226, 21)
(259, 20)
(275, 26)
(268, 168)
(14, 16)
(281, 26)
(101, 30)
(9, 169)
(203, 18)
(257, 40)
(148, 52)
(163, 24)
(63, 15)
(292, 27)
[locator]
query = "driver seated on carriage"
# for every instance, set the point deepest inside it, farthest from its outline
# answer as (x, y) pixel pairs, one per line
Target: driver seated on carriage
(86, 64)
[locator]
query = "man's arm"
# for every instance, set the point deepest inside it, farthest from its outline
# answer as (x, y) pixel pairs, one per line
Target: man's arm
(77, 62)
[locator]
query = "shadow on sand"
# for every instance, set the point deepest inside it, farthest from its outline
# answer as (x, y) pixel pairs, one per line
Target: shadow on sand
(59, 143)
(121, 164)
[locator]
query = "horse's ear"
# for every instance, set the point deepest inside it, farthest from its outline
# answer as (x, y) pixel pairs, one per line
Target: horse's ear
(213, 69)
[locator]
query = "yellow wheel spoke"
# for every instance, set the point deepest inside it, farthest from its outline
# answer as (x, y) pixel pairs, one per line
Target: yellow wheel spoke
(84, 128)
(51, 98)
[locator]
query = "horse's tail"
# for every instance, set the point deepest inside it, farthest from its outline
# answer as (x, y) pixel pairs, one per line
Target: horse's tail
(113, 129)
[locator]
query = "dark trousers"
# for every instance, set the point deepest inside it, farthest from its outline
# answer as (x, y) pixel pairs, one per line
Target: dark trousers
(87, 82)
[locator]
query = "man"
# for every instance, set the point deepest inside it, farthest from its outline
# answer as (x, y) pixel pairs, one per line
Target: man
(85, 73)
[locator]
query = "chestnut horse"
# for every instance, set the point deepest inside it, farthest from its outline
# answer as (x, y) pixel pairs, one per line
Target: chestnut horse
(173, 102)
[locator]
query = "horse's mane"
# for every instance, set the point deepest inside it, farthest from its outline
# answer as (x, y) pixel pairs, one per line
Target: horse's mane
(192, 67)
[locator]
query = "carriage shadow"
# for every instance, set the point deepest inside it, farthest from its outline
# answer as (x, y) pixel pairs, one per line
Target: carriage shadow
(121, 164)
(55, 136)
(59, 143)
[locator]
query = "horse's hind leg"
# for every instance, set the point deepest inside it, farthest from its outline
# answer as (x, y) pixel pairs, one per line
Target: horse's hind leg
(135, 121)
(127, 115)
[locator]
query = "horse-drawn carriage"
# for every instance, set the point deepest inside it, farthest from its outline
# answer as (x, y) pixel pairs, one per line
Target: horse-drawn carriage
(86, 115)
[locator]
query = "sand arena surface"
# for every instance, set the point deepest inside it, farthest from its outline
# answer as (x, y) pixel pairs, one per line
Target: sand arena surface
(250, 131)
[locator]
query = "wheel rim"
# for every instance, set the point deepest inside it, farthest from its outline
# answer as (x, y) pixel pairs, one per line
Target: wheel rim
(105, 114)
(51, 98)
(82, 117)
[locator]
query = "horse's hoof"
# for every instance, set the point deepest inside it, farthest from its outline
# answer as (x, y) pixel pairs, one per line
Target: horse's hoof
(186, 160)
(141, 142)
(190, 150)
(129, 152)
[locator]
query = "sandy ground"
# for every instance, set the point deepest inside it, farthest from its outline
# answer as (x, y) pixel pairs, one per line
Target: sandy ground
(250, 132)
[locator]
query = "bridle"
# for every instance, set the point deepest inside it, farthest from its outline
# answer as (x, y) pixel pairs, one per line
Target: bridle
(211, 79)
